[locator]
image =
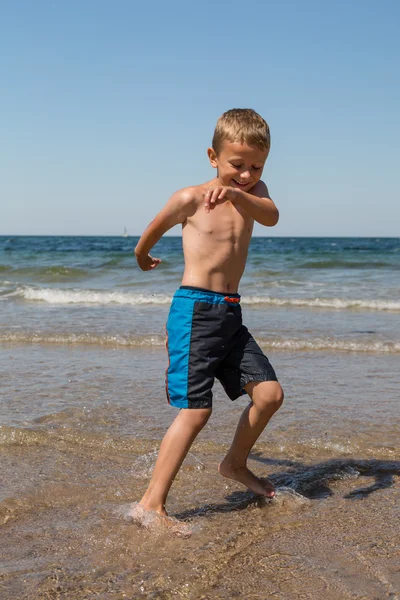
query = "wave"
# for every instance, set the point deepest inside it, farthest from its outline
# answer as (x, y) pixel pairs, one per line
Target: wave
(382, 462)
(319, 344)
(56, 296)
(140, 341)
(48, 273)
(330, 303)
(10, 436)
(82, 338)
(348, 264)
(59, 296)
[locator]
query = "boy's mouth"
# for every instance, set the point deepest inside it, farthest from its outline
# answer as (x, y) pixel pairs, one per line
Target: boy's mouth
(241, 184)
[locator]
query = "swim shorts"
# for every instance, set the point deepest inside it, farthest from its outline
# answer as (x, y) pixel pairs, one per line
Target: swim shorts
(206, 339)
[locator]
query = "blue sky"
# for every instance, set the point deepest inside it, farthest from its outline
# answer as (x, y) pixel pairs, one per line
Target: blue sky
(108, 107)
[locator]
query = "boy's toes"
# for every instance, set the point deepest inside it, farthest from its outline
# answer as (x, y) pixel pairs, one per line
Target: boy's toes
(268, 487)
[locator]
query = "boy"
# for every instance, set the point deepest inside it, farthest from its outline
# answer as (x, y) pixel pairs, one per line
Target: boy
(205, 335)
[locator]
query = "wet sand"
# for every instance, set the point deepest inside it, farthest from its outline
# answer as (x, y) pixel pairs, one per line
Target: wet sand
(79, 440)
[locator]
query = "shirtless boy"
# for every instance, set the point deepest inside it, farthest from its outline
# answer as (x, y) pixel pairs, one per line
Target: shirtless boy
(206, 338)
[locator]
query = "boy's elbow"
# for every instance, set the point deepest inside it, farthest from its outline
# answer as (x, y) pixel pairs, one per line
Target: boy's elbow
(275, 217)
(272, 218)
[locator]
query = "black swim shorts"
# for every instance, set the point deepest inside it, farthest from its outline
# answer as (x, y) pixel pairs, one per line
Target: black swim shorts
(206, 339)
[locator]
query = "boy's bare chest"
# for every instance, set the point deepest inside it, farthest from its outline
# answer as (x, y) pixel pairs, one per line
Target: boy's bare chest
(225, 221)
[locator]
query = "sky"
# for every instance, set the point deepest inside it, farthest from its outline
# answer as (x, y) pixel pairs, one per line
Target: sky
(108, 107)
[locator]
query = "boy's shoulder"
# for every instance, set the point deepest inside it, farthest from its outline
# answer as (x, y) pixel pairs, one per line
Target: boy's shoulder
(192, 192)
(191, 195)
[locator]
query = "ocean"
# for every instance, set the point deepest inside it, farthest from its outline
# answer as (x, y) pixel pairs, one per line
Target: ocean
(82, 363)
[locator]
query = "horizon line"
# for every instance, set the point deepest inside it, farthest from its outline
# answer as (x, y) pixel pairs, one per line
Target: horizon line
(132, 236)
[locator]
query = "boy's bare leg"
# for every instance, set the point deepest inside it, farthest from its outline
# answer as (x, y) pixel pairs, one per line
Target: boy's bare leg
(173, 450)
(267, 397)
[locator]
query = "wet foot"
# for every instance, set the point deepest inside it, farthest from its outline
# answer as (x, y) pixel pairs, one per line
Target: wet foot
(261, 487)
(153, 520)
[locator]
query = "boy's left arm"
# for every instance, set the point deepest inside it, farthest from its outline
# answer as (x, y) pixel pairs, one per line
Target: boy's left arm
(256, 203)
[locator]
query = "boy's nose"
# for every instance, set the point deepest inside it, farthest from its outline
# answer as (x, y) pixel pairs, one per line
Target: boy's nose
(245, 175)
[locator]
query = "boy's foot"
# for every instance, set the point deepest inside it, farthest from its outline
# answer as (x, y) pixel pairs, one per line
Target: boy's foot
(261, 487)
(151, 519)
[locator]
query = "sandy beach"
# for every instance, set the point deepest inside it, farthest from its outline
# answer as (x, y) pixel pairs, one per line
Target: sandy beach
(70, 476)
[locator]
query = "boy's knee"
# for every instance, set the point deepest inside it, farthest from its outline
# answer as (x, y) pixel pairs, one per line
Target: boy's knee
(196, 418)
(269, 395)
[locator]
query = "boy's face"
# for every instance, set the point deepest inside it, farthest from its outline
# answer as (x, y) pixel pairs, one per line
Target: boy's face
(239, 165)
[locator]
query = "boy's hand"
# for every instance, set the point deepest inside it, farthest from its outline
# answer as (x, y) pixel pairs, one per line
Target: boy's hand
(218, 195)
(147, 263)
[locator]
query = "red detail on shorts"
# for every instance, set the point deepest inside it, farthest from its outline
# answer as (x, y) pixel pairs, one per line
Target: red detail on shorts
(232, 300)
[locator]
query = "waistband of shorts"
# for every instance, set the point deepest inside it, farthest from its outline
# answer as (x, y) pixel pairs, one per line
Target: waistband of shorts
(204, 295)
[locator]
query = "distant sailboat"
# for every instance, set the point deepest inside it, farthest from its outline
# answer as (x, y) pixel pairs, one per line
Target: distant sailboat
(125, 234)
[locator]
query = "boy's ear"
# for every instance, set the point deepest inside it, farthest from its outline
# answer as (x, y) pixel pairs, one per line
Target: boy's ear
(212, 157)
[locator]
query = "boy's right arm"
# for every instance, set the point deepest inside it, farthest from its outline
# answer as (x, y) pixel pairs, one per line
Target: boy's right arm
(180, 206)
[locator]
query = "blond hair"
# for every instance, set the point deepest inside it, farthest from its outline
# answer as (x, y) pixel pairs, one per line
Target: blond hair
(242, 125)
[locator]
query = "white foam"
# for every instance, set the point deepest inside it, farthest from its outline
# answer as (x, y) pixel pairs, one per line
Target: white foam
(57, 296)
(134, 341)
(286, 496)
(150, 519)
(144, 465)
(331, 303)
(342, 448)
(83, 338)
(82, 296)
(331, 345)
